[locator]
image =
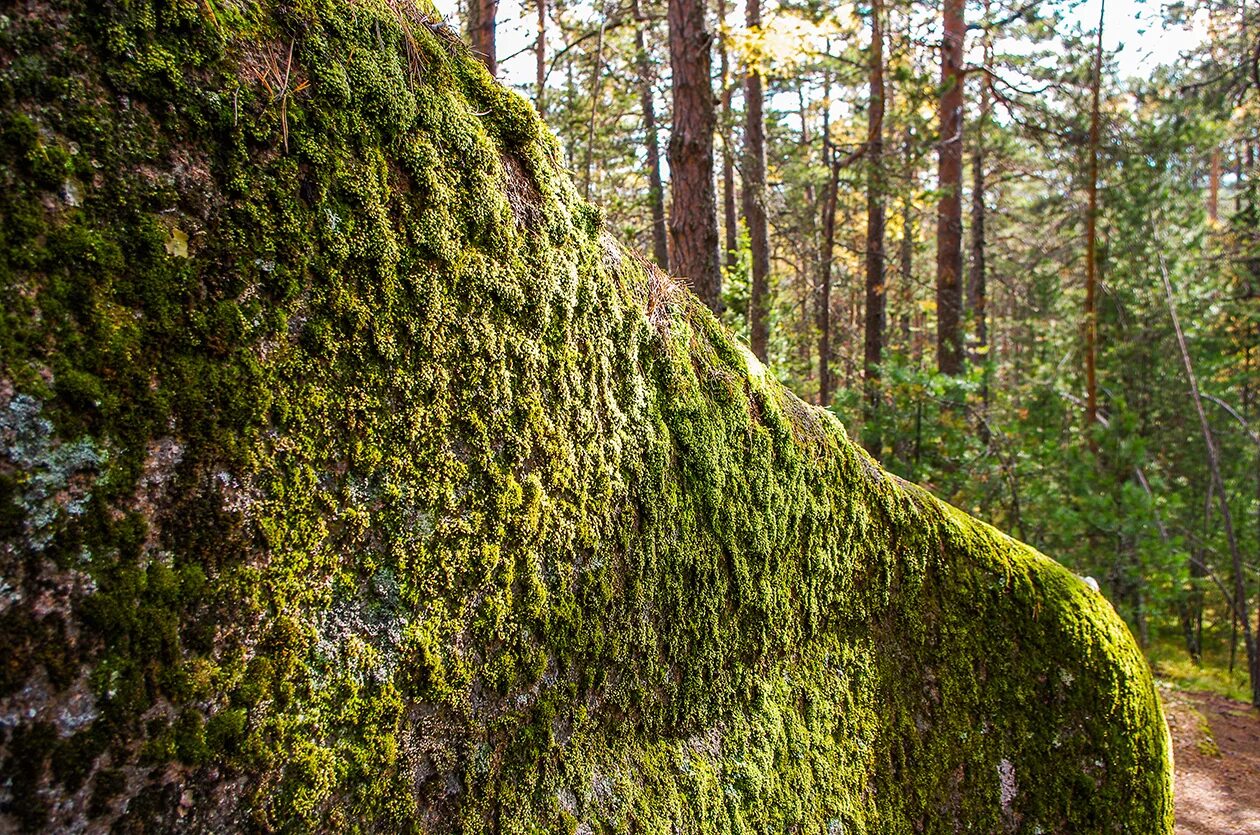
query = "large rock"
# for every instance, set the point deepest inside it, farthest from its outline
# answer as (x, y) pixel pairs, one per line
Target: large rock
(354, 478)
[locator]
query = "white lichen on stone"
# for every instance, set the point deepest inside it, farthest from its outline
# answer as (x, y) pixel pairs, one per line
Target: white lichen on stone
(1008, 789)
(56, 476)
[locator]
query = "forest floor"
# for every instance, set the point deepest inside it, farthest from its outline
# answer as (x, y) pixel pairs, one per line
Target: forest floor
(1216, 745)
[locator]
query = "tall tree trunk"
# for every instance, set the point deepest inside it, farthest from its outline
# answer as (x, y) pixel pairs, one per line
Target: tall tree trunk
(1251, 219)
(730, 214)
(755, 197)
(875, 300)
(656, 191)
(570, 95)
(1091, 243)
(597, 86)
(977, 292)
(1214, 186)
(540, 60)
(949, 356)
(481, 14)
(905, 259)
(693, 210)
(804, 145)
(825, 383)
(853, 325)
(909, 172)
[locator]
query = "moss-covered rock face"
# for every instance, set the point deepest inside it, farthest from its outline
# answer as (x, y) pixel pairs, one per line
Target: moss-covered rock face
(353, 478)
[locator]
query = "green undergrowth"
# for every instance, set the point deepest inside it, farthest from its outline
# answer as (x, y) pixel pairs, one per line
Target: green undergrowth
(355, 479)
(1167, 656)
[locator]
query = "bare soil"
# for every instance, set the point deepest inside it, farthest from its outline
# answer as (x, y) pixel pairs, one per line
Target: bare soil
(1216, 745)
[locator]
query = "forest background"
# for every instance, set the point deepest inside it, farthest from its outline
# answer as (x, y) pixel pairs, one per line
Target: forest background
(1013, 245)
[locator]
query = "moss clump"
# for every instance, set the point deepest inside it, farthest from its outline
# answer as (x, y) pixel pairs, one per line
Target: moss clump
(348, 484)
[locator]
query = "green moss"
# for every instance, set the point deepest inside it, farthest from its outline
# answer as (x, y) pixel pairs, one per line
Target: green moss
(371, 494)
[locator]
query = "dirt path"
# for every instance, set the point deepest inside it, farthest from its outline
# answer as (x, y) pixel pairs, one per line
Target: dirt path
(1216, 743)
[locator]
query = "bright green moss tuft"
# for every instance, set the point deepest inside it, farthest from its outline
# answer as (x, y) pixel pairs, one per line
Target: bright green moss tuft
(348, 484)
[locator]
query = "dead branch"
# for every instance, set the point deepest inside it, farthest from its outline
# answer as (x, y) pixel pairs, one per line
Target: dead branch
(1214, 465)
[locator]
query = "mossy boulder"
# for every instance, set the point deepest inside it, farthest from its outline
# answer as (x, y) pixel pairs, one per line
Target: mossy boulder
(353, 478)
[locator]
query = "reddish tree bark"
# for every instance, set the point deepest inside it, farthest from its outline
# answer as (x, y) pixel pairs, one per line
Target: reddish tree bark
(875, 284)
(693, 210)
(949, 261)
(481, 14)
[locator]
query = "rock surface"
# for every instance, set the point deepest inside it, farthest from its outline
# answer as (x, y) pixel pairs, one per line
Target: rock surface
(354, 478)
